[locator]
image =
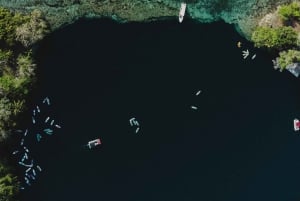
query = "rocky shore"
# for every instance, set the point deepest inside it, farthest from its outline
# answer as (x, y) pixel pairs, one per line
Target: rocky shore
(245, 14)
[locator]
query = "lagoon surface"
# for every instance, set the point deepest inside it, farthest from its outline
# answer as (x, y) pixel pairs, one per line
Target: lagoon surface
(238, 145)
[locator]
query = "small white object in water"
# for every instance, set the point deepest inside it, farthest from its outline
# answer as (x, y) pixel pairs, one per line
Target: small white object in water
(33, 120)
(194, 107)
(253, 57)
(38, 109)
(25, 148)
(245, 54)
(46, 100)
(15, 152)
(47, 119)
(28, 183)
(33, 171)
(182, 12)
(38, 137)
(23, 159)
(198, 92)
(57, 126)
(21, 163)
(39, 168)
(131, 121)
(32, 177)
(136, 123)
(28, 169)
(137, 129)
(26, 131)
(52, 122)
(22, 142)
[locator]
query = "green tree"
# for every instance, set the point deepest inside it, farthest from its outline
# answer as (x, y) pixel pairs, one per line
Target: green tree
(288, 57)
(17, 106)
(5, 59)
(286, 37)
(264, 37)
(5, 117)
(25, 65)
(7, 84)
(9, 110)
(33, 30)
(9, 186)
(278, 38)
(8, 24)
(290, 12)
(5, 56)
(16, 85)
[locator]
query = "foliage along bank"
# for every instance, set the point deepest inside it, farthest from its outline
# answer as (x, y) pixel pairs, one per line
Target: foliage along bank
(18, 33)
(281, 31)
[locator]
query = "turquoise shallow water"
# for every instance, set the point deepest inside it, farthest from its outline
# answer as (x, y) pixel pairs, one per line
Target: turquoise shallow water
(238, 145)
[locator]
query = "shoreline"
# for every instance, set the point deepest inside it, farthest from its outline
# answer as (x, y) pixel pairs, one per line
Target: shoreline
(74, 13)
(59, 14)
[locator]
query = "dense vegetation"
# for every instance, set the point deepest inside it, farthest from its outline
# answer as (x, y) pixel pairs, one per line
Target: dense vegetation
(8, 23)
(33, 30)
(287, 57)
(290, 12)
(18, 32)
(278, 38)
(281, 34)
(9, 185)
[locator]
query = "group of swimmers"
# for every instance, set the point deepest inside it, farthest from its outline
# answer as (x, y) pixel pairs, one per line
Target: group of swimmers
(195, 107)
(25, 160)
(134, 122)
(245, 53)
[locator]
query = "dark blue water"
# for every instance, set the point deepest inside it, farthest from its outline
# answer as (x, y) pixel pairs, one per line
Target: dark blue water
(238, 145)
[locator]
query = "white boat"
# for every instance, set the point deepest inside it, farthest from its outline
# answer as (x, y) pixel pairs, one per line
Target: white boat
(57, 126)
(296, 124)
(194, 107)
(182, 11)
(93, 143)
(39, 168)
(47, 119)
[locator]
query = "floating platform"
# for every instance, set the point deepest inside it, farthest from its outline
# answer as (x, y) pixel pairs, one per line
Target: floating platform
(94, 143)
(296, 124)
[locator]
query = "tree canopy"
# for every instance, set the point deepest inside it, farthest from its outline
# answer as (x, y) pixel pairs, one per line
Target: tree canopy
(289, 12)
(9, 21)
(9, 185)
(288, 57)
(279, 38)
